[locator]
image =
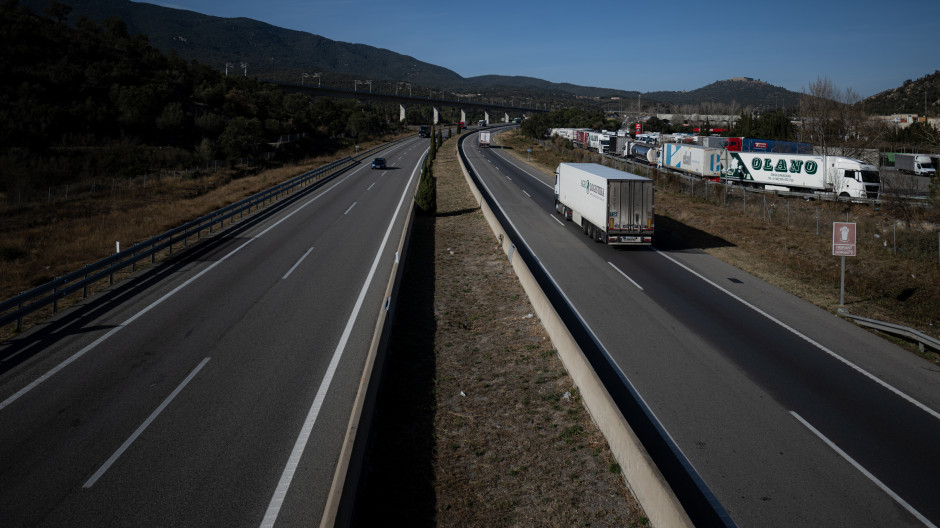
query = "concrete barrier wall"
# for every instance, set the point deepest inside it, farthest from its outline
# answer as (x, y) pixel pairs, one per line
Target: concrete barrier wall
(644, 479)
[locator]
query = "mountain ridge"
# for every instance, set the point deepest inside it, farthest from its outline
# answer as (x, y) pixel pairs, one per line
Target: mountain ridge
(284, 55)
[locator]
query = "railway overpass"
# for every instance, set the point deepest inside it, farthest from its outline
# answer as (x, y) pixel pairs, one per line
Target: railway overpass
(508, 111)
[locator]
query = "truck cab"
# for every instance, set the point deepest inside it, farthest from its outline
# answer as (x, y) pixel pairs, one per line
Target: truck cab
(856, 179)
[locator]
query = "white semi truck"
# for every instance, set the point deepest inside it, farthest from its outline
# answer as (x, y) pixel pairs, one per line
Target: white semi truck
(611, 206)
(837, 175)
(918, 164)
(485, 138)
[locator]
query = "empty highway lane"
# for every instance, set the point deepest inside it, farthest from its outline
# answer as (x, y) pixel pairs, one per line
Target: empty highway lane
(213, 390)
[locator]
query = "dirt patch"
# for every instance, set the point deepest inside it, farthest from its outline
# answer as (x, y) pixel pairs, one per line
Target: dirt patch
(479, 424)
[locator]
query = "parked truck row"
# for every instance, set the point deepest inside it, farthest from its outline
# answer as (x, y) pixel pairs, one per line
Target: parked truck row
(766, 164)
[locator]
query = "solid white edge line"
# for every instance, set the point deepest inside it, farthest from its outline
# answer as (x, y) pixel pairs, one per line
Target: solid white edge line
(864, 471)
(113, 331)
(512, 162)
(795, 332)
(153, 416)
(581, 318)
(293, 461)
(624, 274)
(134, 317)
(291, 270)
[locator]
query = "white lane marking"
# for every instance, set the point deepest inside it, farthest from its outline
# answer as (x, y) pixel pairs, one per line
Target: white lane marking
(369, 188)
(527, 194)
(512, 162)
(795, 332)
(897, 498)
(291, 270)
(350, 208)
(625, 275)
(555, 218)
(134, 317)
(153, 416)
(293, 461)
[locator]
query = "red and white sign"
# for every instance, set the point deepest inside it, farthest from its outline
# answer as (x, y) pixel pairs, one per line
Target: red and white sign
(639, 127)
(843, 239)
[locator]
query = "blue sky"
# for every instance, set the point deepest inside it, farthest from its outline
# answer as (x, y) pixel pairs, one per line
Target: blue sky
(863, 45)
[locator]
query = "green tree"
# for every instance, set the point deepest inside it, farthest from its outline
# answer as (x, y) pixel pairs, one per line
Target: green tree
(241, 137)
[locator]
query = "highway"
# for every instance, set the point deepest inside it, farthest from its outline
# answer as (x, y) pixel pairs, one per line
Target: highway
(792, 416)
(214, 389)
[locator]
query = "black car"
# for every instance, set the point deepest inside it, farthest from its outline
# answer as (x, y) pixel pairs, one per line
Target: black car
(378, 163)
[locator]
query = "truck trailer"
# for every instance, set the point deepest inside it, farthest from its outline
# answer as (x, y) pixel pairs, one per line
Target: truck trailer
(694, 159)
(743, 144)
(819, 174)
(919, 164)
(485, 138)
(611, 206)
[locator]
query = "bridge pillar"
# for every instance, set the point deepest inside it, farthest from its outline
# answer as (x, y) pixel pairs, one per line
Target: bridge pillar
(437, 115)
(506, 117)
(463, 116)
(402, 112)
(486, 117)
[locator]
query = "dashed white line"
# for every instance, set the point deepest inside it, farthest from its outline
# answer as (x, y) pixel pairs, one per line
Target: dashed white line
(625, 275)
(153, 416)
(301, 259)
(350, 208)
(306, 430)
(806, 338)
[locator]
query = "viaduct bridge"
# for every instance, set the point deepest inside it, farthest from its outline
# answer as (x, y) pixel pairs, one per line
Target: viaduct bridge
(405, 100)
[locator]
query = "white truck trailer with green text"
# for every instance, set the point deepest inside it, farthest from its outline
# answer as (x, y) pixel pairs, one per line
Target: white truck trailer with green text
(611, 206)
(837, 175)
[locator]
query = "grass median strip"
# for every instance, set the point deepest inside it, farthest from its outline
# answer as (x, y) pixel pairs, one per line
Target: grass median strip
(479, 422)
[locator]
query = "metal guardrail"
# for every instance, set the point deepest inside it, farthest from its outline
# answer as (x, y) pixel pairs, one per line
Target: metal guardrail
(52, 292)
(923, 340)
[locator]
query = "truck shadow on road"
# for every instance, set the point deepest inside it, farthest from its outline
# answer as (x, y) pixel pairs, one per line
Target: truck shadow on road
(672, 235)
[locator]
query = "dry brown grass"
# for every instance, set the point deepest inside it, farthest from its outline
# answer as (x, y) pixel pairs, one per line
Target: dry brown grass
(508, 441)
(39, 242)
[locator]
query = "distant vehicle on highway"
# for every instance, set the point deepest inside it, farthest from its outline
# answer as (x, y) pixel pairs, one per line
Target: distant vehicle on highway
(378, 163)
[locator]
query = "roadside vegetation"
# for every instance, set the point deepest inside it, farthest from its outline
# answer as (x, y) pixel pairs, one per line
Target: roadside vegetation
(103, 139)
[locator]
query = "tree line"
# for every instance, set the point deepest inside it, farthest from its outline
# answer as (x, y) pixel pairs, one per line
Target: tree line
(89, 100)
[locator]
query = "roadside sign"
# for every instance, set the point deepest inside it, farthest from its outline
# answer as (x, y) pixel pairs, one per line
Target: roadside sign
(843, 239)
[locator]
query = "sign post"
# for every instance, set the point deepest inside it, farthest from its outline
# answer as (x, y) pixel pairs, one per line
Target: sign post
(843, 245)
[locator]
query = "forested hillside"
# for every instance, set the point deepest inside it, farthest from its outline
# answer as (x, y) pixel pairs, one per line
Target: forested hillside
(89, 100)
(920, 96)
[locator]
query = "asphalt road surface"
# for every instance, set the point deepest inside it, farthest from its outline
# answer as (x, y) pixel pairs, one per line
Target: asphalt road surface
(213, 390)
(792, 416)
